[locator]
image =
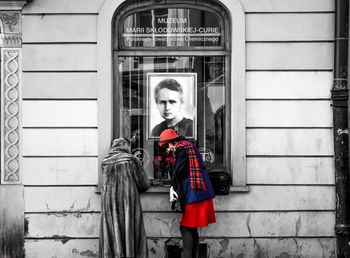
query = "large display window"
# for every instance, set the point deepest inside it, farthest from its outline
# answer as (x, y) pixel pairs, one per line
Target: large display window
(171, 70)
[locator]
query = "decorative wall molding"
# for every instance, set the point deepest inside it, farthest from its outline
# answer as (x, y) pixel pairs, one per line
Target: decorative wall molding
(10, 93)
(12, 4)
(11, 188)
(10, 40)
(10, 21)
(10, 117)
(10, 29)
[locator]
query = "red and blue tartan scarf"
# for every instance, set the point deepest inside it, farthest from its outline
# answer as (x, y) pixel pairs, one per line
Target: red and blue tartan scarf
(195, 170)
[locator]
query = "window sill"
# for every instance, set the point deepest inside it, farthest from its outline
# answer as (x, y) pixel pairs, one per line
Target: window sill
(165, 189)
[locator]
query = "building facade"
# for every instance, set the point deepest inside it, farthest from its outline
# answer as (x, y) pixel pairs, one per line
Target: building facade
(257, 79)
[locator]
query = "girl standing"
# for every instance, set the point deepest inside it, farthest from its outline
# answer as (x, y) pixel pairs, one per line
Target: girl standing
(191, 181)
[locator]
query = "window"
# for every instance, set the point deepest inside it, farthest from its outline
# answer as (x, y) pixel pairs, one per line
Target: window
(191, 44)
(131, 116)
(177, 32)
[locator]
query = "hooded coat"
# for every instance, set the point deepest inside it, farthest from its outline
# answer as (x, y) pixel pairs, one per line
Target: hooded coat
(122, 231)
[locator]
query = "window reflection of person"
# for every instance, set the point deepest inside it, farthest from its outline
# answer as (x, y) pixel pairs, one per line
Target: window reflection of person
(168, 95)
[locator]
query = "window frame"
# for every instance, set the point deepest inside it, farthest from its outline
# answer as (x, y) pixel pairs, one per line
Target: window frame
(112, 11)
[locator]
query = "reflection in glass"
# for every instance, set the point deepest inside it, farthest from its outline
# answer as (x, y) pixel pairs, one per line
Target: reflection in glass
(132, 112)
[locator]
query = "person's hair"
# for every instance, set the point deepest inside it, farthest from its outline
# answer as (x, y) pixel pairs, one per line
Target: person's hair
(170, 84)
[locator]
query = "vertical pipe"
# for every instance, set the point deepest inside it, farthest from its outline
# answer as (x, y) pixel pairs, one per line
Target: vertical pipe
(340, 98)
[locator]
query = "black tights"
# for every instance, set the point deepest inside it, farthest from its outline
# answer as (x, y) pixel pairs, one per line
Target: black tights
(190, 240)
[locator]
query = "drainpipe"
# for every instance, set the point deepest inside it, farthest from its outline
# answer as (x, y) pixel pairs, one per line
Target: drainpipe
(340, 98)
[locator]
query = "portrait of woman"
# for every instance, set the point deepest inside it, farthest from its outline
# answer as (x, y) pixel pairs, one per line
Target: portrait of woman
(171, 103)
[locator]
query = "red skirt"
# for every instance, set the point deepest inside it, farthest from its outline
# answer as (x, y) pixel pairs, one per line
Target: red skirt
(198, 214)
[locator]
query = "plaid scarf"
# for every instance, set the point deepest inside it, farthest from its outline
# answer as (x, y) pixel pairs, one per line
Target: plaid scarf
(195, 171)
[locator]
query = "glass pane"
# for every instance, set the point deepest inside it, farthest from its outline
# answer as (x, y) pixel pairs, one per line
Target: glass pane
(208, 107)
(169, 27)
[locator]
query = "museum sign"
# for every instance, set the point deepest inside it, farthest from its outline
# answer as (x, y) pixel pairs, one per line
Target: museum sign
(178, 28)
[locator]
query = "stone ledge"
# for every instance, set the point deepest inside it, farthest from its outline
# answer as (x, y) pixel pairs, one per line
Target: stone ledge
(12, 5)
(165, 189)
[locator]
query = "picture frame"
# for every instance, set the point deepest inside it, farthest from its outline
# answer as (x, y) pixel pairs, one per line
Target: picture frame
(158, 115)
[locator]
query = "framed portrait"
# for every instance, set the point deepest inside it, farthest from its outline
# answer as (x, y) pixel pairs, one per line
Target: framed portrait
(171, 103)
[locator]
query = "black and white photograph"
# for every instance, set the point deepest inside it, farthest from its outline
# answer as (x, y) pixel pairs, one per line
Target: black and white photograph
(174, 129)
(172, 103)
